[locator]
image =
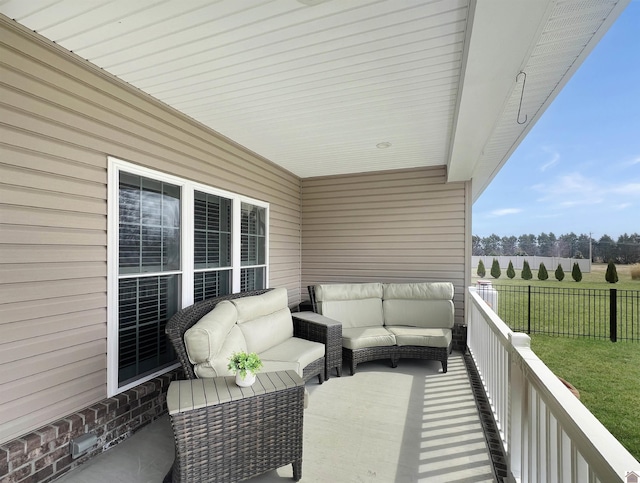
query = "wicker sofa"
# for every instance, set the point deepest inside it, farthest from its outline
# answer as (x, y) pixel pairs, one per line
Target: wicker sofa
(206, 333)
(392, 320)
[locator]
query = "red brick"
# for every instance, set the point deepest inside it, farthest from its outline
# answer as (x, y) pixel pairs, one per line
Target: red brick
(101, 411)
(32, 441)
(61, 426)
(14, 448)
(47, 433)
(135, 403)
(50, 458)
(123, 410)
(150, 397)
(111, 404)
(18, 461)
(75, 422)
(60, 441)
(43, 473)
(19, 474)
(63, 464)
(88, 415)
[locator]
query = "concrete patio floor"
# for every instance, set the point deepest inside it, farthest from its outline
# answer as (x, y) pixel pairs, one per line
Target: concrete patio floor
(408, 424)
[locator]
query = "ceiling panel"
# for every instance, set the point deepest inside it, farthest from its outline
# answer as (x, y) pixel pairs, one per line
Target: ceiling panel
(316, 85)
(312, 88)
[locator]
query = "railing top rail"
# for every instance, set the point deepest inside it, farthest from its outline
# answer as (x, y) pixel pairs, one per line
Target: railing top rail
(606, 456)
(496, 324)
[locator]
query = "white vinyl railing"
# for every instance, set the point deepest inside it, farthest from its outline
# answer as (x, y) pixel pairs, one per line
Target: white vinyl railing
(547, 433)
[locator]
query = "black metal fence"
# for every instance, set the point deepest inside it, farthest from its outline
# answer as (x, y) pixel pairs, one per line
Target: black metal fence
(571, 312)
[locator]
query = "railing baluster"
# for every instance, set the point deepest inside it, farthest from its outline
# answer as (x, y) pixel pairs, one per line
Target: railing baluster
(613, 315)
(548, 435)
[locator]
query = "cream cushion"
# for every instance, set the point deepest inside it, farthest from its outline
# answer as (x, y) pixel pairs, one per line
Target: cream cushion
(426, 305)
(353, 304)
(299, 352)
(418, 291)
(265, 320)
(418, 313)
(204, 340)
(250, 308)
(421, 337)
(362, 337)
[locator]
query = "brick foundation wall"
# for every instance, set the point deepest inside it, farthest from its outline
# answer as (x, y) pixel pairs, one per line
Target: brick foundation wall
(459, 338)
(45, 454)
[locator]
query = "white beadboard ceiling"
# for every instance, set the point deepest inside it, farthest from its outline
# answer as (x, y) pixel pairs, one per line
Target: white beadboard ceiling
(316, 85)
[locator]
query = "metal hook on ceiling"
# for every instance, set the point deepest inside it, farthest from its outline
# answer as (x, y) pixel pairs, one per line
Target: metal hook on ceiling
(524, 81)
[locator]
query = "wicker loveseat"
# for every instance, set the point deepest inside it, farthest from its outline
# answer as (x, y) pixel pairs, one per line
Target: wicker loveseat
(206, 333)
(392, 320)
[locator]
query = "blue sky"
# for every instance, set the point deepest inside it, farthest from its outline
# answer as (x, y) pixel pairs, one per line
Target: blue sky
(578, 170)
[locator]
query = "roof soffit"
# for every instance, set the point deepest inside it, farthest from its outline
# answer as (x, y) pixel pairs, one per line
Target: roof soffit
(503, 34)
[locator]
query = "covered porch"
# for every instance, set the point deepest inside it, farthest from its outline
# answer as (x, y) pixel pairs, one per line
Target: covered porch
(361, 132)
(407, 424)
(498, 414)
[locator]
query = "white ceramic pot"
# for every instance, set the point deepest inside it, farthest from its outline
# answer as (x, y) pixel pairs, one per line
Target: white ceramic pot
(247, 381)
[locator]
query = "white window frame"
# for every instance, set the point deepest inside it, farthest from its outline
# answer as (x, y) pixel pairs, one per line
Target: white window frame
(187, 188)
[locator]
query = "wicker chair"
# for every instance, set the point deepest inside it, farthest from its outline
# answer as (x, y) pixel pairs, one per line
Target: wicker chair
(187, 317)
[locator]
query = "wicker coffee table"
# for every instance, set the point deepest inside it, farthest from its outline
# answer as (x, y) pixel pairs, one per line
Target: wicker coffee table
(227, 433)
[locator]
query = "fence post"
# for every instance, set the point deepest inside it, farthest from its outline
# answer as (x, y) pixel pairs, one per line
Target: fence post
(529, 310)
(613, 314)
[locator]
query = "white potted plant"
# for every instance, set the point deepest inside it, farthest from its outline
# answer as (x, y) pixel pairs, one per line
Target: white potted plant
(245, 365)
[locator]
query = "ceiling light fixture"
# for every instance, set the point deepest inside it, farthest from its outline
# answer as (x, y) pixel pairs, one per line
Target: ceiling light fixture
(383, 145)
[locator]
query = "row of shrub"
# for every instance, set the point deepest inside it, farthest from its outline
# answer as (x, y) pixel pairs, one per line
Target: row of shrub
(611, 276)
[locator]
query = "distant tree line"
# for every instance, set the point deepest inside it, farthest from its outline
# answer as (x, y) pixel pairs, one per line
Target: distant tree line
(625, 250)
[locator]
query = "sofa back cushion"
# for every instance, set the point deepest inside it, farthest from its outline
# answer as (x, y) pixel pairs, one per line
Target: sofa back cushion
(352, 304)
(265, 320)
(427, 305)
(204, 340)
(218, 365)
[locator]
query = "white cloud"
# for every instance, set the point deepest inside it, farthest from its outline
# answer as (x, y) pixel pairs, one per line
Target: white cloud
(629, 189)
(575, 190)
(623, 206)
(506, 211)
(555, 157)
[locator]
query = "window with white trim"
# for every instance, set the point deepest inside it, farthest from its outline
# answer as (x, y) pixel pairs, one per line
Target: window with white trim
(172, 242)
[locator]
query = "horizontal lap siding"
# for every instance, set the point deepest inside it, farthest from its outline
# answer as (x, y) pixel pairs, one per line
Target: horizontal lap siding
(59, 120)
(397, 226)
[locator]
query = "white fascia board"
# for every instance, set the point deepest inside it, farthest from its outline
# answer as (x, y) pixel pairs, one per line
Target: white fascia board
(503, 33)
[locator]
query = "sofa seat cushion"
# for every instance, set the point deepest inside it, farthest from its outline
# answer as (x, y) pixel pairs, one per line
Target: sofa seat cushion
(421, 337)
(363, 337)
(352, 304)
(300, 352)
(275, 366)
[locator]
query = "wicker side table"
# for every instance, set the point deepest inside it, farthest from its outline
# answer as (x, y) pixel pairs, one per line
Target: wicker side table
(226, 433)
(315, 327)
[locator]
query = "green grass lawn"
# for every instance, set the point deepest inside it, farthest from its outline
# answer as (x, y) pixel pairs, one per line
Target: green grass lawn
(606, 374)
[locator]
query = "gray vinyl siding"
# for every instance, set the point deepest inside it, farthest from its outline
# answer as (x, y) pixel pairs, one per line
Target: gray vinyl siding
(59, 120)
(397, 226)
